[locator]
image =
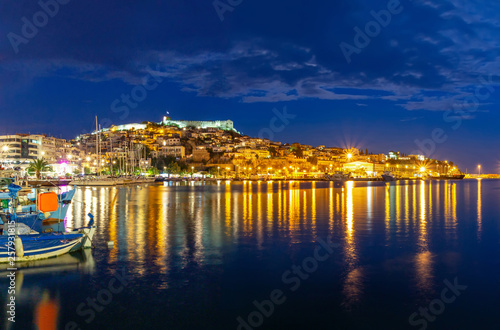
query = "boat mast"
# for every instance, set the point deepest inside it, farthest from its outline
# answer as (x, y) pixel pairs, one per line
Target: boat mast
(97, 143)
(100, 150)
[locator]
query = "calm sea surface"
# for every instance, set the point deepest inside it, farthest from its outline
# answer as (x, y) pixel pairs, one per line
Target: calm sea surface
(274, 256)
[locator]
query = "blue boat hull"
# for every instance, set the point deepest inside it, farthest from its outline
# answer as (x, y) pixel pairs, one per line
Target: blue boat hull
(38, 247)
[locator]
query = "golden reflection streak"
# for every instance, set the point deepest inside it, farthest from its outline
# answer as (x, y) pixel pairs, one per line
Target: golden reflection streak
(454, 204)
(249, 224)
(353, 284)
(407, 207)
(113, 220)
(303, 203)
(479, 210)
(424, 258)
(429, 198)
(337, 204)
(446, 202)
(369, 203)
(270, 211)
(313, 209)
(245, 197)
(414, 203)
(260, 232)
(398, 208)
(227, 209)
(236, 214)
(141, 218)
(349, 210)
(331, 209)
(281, 207)
(199, 228)
(387, 211)
(162, 242)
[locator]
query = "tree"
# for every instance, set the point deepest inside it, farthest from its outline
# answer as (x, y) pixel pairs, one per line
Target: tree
(173, 168)
(38, 166)
(273, 152)
(298, 152)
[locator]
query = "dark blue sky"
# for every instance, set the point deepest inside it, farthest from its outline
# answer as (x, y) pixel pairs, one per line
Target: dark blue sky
(429, 74)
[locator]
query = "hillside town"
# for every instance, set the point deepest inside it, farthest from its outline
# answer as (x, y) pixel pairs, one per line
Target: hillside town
(204, 149)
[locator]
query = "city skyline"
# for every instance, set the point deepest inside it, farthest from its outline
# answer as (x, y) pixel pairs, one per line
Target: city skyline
(391, 87)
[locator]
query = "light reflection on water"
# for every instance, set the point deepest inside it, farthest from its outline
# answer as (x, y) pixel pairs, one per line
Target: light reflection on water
(172, 233)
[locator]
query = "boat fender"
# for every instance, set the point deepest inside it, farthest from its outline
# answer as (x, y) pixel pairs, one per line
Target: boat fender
(41, 216)
(18, 244)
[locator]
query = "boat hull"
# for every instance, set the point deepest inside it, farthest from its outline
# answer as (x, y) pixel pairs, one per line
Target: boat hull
(94, 183)
(37, 247)
(388, 178)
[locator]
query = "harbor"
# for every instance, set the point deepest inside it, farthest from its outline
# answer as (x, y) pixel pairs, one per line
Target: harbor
(192, 244)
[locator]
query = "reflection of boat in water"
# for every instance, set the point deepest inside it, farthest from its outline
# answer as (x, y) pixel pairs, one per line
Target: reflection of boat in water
(388, 177)
(81, 261)
(448, 177)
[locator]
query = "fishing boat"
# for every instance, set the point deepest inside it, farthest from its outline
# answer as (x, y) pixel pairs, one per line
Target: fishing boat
(19, 246)
(35, 247)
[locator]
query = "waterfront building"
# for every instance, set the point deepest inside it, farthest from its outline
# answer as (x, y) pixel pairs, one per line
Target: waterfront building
(20, 148)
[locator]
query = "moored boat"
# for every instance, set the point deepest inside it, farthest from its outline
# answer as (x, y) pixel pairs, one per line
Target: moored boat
(20, 242)
(448, 177)
(36, 247)
(388, 177)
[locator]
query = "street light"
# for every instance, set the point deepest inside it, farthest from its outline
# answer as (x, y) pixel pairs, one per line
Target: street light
(349, 156)
(479, 168)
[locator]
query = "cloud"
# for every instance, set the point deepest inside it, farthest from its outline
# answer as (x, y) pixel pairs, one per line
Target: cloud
(416, 66)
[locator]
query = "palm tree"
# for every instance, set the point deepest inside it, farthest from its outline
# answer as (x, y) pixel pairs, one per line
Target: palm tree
(38, 166)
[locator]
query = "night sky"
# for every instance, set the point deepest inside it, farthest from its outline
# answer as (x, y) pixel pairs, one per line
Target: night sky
(427, 72)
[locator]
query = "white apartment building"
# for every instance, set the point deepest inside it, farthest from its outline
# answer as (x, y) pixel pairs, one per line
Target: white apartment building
(20, 148)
